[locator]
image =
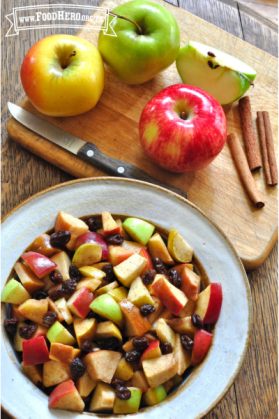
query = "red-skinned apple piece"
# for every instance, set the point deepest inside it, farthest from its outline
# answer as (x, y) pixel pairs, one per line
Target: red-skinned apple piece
(66, 396)
(190, 284)
(95, 238)
(209, 303)
(79, 302)
(202, 341)
(109, 225)
(183, 128)
(35, 351)
(171, 297)
(72, 224)
(39, 264)
(153, 351)
(144, 253)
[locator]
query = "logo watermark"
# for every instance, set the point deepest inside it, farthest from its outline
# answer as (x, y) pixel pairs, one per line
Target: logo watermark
(59, 16)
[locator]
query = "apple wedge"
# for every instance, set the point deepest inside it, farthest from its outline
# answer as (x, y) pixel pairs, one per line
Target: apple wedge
(34, 310)
(202, 342)
(55, 373)
(58, 333)
(154, 396)
(91, 283)
(118, 254)
(85, 329)
(94, 238)
(178, 248)
(66, 397)
(158, 249)
(171, 297)
(166, 315)
(28, 279)
(85, 385)
(109, 287)
(34, 351)
(124, 370)
(61, 304)
(165, 333)
(72, 224)
(63, 353)
(15, 313)
(139, 294)
(159, 370)
(128, 406)
(93, 271)
(209, 303)
(42, 245)
(183, 356)
(107, 307)
(144, 253)
(79, 302)
(39, 264)
(188, 309)
(128, 270)
(101, 365)
(103, 399)
(183, 326)
(63, 263)
(139, 230)
(34, 373)
(136, 324)
(118, 294)
(139, 381)
(109, 225)
(87, 254)
(153, 351)
(159, 308)
(106, 330)
(14, 293)
(190, 284)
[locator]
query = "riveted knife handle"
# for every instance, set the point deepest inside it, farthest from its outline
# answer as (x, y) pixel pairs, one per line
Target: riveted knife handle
(90, 153)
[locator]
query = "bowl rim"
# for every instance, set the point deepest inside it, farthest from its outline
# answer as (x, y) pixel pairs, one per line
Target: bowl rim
(246, 281)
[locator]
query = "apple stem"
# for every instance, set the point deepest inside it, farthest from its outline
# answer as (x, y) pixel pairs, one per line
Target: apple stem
(247, 78)
(125, 18)
(64, 65)
(183, 115)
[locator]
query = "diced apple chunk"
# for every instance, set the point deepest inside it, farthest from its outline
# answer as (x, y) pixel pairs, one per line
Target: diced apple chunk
(190, 284)
(178, 248)
(165, 333)
(166, 315)
(72, 224)
(139, 381)
(183, 326)
(103, 398)
(188, 309)
(85, 329)
(118, 254)
(124, 370)
(109, 225)
(159, 308)
(85, 385)
(158, 249)
(63, 263)
(136, 324)
(14, 293)
(128, 406)
(79, 302)
(102, 365)
(106, 288)
(171, 297)
(62, 305)
(91, 283)
(87, 254)
(106, 330)
(34, 310)
(139, 294)
(154, 396)
(128, 270)
(55, 373)
(66, 397)
(209, 303)
(34, 373)
(28, 279)
(183, 356)
(159, 370)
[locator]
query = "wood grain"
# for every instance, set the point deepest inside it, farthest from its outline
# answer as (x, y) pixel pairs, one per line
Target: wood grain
(254, 394)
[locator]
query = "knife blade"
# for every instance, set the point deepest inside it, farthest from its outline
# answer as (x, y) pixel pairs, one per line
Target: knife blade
(85, 150)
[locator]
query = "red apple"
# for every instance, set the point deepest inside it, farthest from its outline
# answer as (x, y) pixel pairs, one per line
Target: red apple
(190, 284)
(182, 128)
(118, 254)
(79, 302)
(202, 341)
(171, 297)
(153, 351)
(39, 264)
(94, 238)
(35, 351)
(144, 253)
(209, 303)
(109, 225)
(65, 396)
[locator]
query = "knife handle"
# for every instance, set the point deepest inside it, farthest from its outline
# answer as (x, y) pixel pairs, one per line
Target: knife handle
(114, 167)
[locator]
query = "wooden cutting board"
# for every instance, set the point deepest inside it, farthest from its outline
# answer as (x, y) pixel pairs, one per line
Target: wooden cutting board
(113, 126)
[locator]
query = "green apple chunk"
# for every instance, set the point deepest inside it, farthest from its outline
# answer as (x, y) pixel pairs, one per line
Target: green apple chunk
(139, 230)
(128, 406)
(107, 307)
(135, 57)
(58, 333)
(14, 293)
(218, 73)
(154, 395)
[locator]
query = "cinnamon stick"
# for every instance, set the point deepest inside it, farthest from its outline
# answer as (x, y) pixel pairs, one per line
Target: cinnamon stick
(261, 128)
(252, 149)
(243, 170)
(270, 148)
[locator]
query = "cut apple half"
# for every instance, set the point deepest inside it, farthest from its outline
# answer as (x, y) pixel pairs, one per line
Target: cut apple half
(223, 76)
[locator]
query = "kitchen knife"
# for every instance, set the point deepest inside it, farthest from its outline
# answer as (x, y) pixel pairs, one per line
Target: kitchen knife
(86, 151)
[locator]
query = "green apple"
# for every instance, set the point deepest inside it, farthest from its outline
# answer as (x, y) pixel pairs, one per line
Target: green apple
(14, 293)
(139, 230)
(87, 254)
(139, 294)
(223, 76)
(58, 333)
(107, 307)
(154, 395)
(128, 406)
(140, 50)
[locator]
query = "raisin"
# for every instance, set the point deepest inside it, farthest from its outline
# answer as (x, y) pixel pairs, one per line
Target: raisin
(110, 344)
(92, 224)
(60, 238)
(56, 294)
(40, 295)
(56, 277)
(116, 239)
(10, 325)
(211, 54)
(187, 343)
(27, 331)
(77, 368)
(148, 277)
(166, 348)
(141, 343)
(147, 309)
(49, 318)
(210, 63)
(92, 315)
(175, 278)
(132, 356)
(116, 382)
(197, 321)
(69, 286)
(74, 273)
(123, 393)
(159, 266)
(86, 347)
(108, 269)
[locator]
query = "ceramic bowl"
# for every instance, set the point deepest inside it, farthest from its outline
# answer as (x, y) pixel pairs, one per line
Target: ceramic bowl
(209, 382)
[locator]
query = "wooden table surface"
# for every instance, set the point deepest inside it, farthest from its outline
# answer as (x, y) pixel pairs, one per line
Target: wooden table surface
(254, 393)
